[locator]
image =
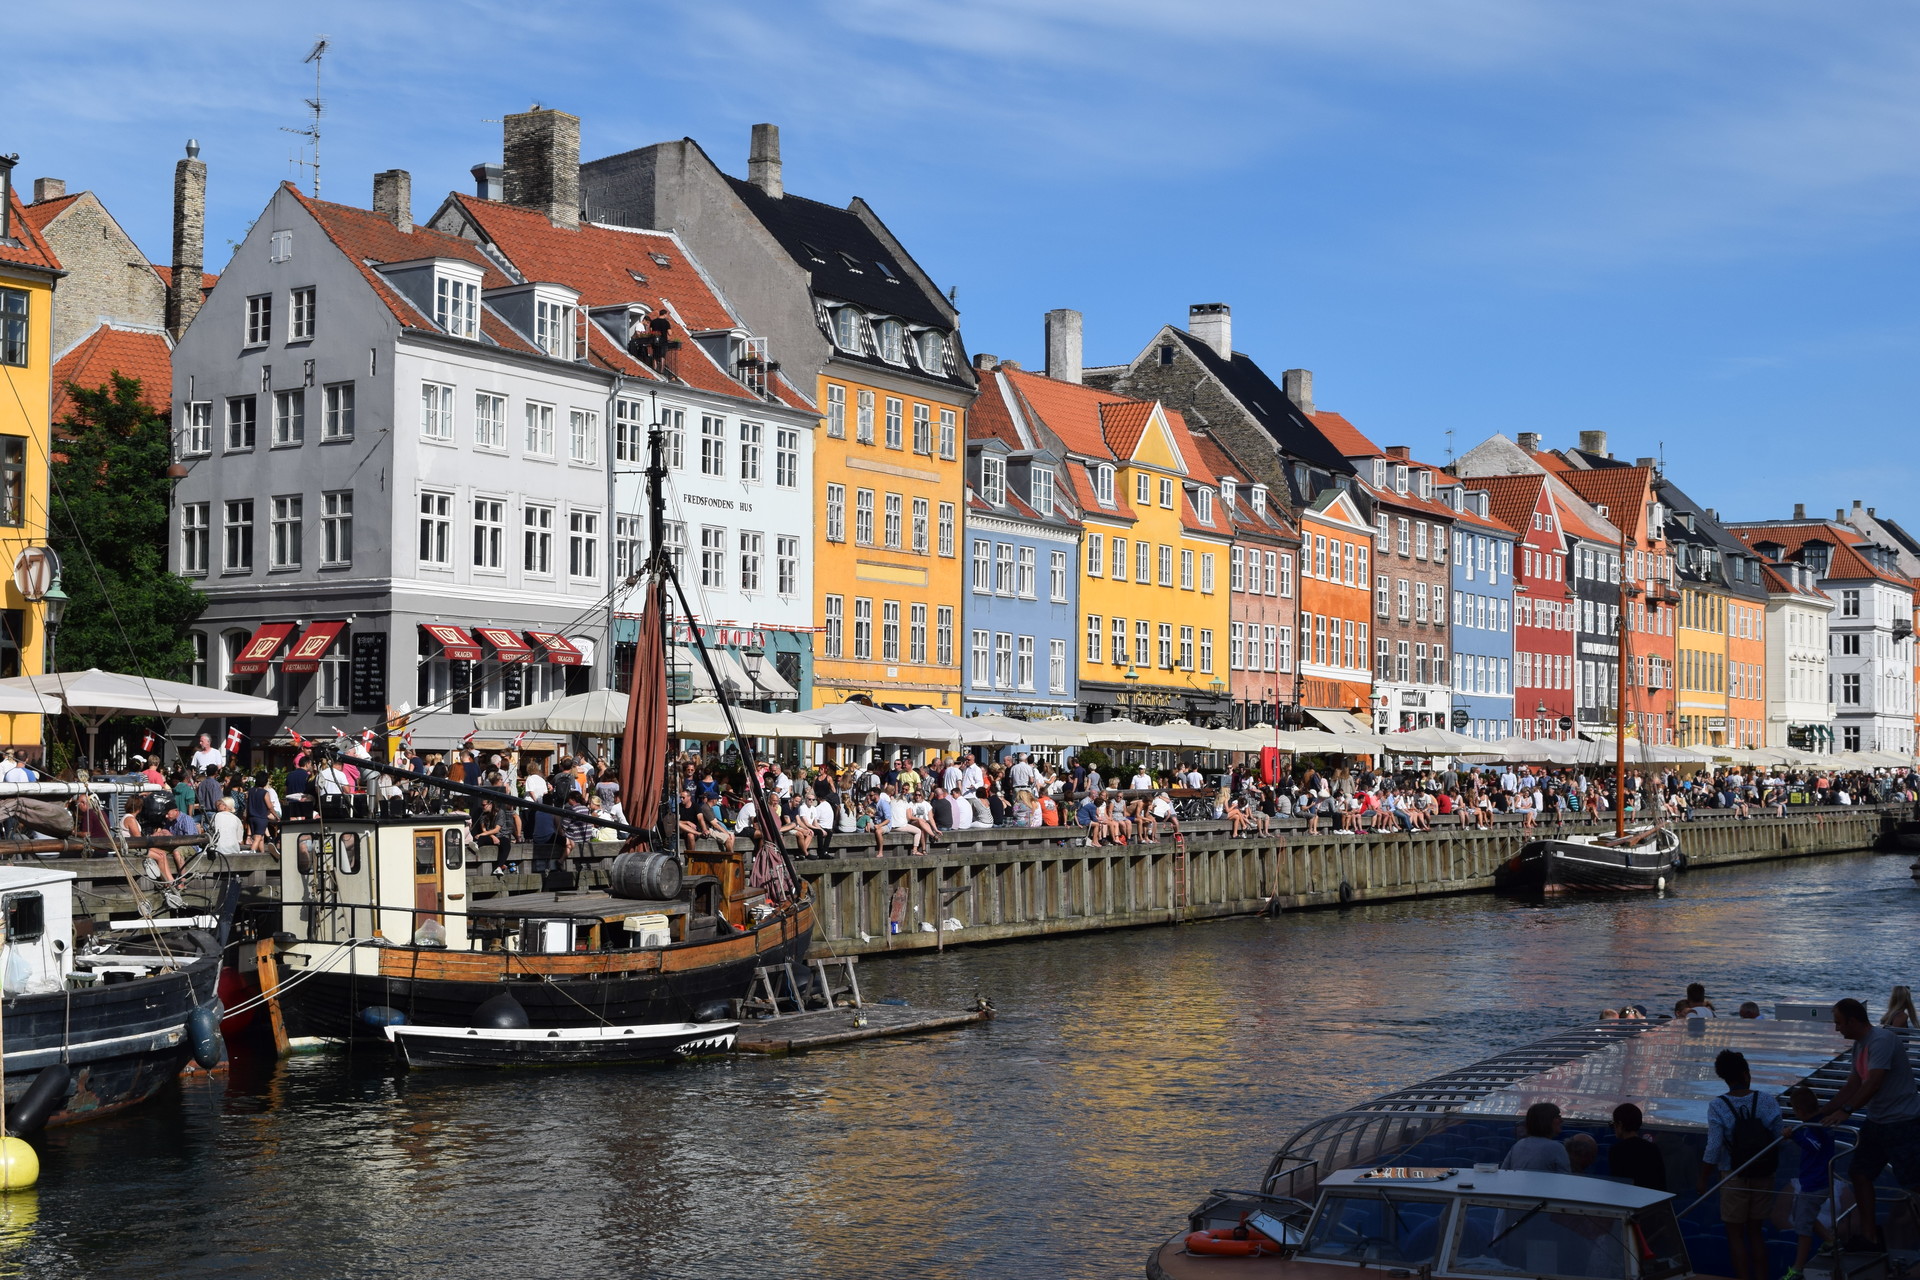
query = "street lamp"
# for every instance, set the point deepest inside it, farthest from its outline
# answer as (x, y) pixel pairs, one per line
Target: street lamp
(56, 602)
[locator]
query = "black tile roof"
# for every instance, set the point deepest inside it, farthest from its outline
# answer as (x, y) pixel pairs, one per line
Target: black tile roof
(1282, 419)
(803, 226)
(1900, 535)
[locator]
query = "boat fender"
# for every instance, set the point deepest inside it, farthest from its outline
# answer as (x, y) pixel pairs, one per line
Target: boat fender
(203, 1033)
(714, 1011)
(1273, 907)
(1231, 1242)
(502, 1013)
(1679, 860)
(42, 1098)
(1346, 894)
(382, 1015)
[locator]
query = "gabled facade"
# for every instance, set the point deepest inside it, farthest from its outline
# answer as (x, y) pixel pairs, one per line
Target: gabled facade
(109, 280)
(1799, 706)
(1722, 645)
(1336, 607)
(1482, 616)
(1263, 609)
(1542, 605)
(1413, 529)
(837, 302)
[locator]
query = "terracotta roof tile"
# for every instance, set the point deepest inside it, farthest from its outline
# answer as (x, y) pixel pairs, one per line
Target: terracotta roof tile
(1623, 491)
(1848, 563)
(1344, 436)
(1123, 422)
(1512, 499)
(32, 250)
(39, 214)
(207, 278)
(366, 239)
(93, 361)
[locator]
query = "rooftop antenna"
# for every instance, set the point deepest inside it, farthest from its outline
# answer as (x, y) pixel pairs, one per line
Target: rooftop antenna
(316, 105)
(1449, 446)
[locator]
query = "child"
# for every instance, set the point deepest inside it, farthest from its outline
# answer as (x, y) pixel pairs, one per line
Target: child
(1815, 1141)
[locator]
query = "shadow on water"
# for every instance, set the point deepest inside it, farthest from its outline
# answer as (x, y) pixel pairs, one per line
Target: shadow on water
(1127, 1074)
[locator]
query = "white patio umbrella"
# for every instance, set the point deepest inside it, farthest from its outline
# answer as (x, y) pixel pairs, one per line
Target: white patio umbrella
(1129, 733)
(1007, 731)
(94, 697)
(26, 702)
(601, 713)
(860, 723)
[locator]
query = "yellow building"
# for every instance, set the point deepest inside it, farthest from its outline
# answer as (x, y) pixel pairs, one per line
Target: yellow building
(1703, 675)
(28, 272)
(1154, 601)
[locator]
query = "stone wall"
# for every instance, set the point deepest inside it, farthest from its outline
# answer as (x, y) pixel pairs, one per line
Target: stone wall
(107, 276)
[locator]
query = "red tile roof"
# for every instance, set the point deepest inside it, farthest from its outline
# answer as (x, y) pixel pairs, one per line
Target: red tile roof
(38, 215)
(1572, 511)
(94, 360)
(1778, 584)
(207, 278)
(1623, 491)
(1240, 517)
(1848, 564)
(1513, 500)
(1123, 422)
(367, 238)
(1344, 436)
(33, 250)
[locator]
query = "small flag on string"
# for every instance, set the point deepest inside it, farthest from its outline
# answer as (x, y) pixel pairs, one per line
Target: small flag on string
(146, 744)
(298, 741)
(469, 738)
(406, 740)
(233, 739)
(518, 738)
(366, 739)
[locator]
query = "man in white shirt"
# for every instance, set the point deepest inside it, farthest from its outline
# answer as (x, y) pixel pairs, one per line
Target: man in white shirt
(951, 777)
(959, 813)
(1195, 779)
(332, 780)
(1142, 780)
(16, 769)
(228, 832)
(207, 756)
(1024, 775)
(972, 776)
(778, 781)
(536, 784)
(815, 824)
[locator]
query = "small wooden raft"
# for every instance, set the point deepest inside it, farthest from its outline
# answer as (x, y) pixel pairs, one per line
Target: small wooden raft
(799, 1032)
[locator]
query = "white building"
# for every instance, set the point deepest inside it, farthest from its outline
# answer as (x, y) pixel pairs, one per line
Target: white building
(1799, 707)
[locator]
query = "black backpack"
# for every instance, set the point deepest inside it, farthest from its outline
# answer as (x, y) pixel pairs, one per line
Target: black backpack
(1749, 1137)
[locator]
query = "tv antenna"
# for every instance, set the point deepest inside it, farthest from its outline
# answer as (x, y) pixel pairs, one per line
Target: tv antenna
(316, 105)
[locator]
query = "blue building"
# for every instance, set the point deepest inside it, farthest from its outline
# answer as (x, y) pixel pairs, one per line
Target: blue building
(1482, 614)
(1021, 561)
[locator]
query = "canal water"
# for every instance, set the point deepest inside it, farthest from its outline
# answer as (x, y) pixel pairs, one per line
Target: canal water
(1126, 1074)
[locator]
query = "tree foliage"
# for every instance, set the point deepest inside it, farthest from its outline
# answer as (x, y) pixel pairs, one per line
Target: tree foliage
(128, 611)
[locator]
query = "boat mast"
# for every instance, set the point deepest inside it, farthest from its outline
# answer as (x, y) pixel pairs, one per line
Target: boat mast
(1620, 696)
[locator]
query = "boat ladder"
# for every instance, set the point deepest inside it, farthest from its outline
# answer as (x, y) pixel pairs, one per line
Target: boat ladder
(1182, 891)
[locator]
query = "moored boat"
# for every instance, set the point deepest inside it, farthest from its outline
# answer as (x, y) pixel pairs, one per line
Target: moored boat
(558, 1046)
(1642, 858)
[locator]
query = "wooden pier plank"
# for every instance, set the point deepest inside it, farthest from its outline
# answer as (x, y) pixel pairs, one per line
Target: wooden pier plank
(798, 1033)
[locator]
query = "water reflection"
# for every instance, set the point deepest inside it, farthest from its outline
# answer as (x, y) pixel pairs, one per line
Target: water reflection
(1128, 1073)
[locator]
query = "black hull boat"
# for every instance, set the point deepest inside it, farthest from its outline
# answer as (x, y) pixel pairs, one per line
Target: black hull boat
(1647, 858)
(559, 1046)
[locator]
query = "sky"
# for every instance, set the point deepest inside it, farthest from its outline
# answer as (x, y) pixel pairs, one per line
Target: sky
(1688, 223)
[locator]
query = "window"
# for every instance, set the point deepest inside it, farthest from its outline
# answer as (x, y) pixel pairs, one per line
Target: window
(713, 445)
(280, 246)
(1849, 604)
(1186, 569)
(1403, 662)
(553, 328)
(676, 544)
(1270, 579)
(1003, 569)
(837, 408)
(892, 526)
(629, 546)
(673, 438)
(14, 330)
(1103, 484)
(1120, 642)
(982, 566)
(239, 531)
(1040, 489)
(846, 328)
(1093, 637)
(1237, 645)
(1142, 489)
(1142, 555)
(1056, 666)
(1024, 573)
(1420, 539)
(299, 315)
(1382, 526)
(786, 561)
(1419, 602)
(259, 319)
(982, 659)
(894, 407)
(835, 620)
(862, 628)
(713, 557)
(949, 433)
(1119, 546)
(1206, 649)
(539, 430)
(1023, 664)
(289, 417)
(836, 513)
(456, 306)
(863, 517)
(1003, 660)
(1850, 644)
(1403, 589)
(920, 526)
(1383, 660)
(786, 458)
(436, 529)
(750, 452)
(583, 544)
(1057, 576)
(1203, 505)
(1320, 556)
(1382, 604)
(917, 633)
(1420, 663)
(892, 336)
(1166, 645)
(583, 436)
(863, 425)
(1206, 572)
(1166, 566)
(943, 635)
(1283, 659)
(922, 429)
(537, 539)
(1403, 536)
(194, 539)
(993, 479)
(1286, 573)
(1166, 493)
(946, 528)
(436, 412)
(751, 557)
(1096, 555)
(284, 529)
(196, 437)
(1850, 690)
(1237, 569)
(242, 417)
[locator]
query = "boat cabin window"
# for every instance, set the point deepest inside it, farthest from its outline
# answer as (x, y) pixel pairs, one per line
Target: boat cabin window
(1377, 1227)
(350, 853)
(424, 855)
(1544, 1240)
(454, 840)
(26, 917)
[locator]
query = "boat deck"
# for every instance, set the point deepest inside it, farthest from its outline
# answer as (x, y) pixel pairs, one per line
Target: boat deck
(800, 1032)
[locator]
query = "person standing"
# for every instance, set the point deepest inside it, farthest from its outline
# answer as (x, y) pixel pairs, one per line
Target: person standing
(1880, 1084)
(1742, 1125)
(207, 756)
(1633, 1155)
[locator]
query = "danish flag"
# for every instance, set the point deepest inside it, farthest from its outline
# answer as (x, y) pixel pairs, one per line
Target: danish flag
(233, 739)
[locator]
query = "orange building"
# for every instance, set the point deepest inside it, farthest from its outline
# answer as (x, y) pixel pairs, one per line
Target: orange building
(1336, 606)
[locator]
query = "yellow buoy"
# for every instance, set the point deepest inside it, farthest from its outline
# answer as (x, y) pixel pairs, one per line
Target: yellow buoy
(19, 1164)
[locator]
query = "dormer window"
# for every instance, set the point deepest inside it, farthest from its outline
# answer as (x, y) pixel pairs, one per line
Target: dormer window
(1226, 491)
(1203, 505)
(993, 479)
(456, 305)
(1400, 478)
(893, 341)
(553, 327)
(846, 329)
(1379, 473)
(933, 351)
(1040, 483)
(1260, 498)
(1103, 484)
(1426, 484)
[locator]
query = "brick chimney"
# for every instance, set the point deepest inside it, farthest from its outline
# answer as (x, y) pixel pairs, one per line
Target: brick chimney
(1212, 323)
(393, 197)
(763, 160)
(1799, 511)
(1063, 345)
(189, 239)
(1399, 452)
(542, 169)
(1298, 384)
(1594, 442)
(1529, 441)
(45, 189)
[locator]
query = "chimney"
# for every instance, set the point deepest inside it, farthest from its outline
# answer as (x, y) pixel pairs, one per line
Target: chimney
(1856, 504)
(1063, 345)
(1298, 384)
(1399, 452)
(1594, 442)
(1212, 323)
(1840, 514)
(1799, 511)
(486, 180)
(393, 197)
(1648, 463)
(45, 189)
(1013, 365)
(763, 160)
(1530, 441)
(189, 239)
(542, 169)
(985, 362)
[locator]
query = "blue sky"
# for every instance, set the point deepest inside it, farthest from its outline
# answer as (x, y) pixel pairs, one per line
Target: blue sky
(1687, 223)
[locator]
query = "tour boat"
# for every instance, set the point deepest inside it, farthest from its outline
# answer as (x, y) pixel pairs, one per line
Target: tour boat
(1410, 1182)
(1642, 858)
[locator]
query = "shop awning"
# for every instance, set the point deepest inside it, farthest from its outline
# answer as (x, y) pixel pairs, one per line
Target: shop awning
(260, 648)
(454, 643)
(507, 645)
(767, 682)
(304, 657)
(559, 650)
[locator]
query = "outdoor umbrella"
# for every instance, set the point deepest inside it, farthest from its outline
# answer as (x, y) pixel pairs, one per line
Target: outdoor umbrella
(858, 722)
(94, 697)
(601, 714)
(1007, 731)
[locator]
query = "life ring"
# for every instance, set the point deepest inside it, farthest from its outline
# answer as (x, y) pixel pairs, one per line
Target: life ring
(1231, 1242)
(1346, 894)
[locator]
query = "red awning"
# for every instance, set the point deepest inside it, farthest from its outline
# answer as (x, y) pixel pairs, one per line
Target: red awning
(559, 650)
(507, 645)
(260, 648)
(454, 642)
(304, 657)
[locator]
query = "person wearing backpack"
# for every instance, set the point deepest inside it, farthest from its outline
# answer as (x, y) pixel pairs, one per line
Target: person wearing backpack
(1742, 1126)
